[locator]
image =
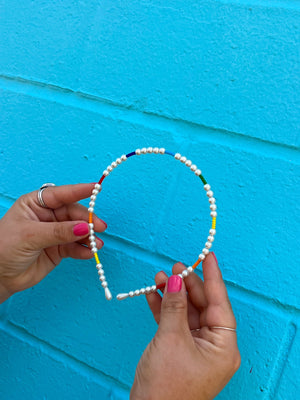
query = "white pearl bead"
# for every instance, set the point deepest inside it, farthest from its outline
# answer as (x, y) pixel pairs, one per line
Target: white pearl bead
(104, 284)
(213, 214)
(92, 203)
(91, 225)
(208, 245)
(93, 197)
(107, 294)
(205, 251)
(109, 168)
(190, 269)
(188, 163)
(180, 275)
(101, 272)
(142, 290)
(201, 256)
(118, 161)
(210, 239)
(212, 200)
(183, 159)
(131, 294)
(153, 288)
(148, 290)
(92, 238)
(95, 191)
(113, 164)
(99, 266)
(102, 278)
(122, 296)
(209, 193)
(92, 231)
(94, 249)
(206, 187)
(123, 157)
(198, 172)
(156, 150)
(193, 167)
(162, 150)
(97, 186)
(137, 292)
(105, 172)
(177, 156)
(90, 209)
(213, 207)
(138, 152)
(212, 231)
(185, 273)
(149, 150)
(144, 150)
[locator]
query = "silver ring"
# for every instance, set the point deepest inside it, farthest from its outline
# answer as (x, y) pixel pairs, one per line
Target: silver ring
(225, 328)
(40, 195)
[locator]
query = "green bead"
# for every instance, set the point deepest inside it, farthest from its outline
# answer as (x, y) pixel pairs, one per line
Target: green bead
(203, 179)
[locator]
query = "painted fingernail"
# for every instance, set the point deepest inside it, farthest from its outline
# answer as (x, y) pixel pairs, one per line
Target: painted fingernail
(174, 284)
(101, 241)
(103, 222)
(81, 229)
(215, 257)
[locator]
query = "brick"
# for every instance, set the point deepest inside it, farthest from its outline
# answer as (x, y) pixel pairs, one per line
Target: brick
(68, 310)
(28, 372)
(228, 66)
(260, 333)
(257, 224)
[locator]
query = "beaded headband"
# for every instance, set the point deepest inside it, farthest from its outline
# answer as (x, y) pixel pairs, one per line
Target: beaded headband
(97, 189)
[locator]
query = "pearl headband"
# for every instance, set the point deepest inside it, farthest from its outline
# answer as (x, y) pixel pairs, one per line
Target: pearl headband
(97, 189)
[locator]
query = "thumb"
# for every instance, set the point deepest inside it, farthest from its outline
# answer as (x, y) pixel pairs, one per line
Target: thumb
(173, 316)
(47, 234)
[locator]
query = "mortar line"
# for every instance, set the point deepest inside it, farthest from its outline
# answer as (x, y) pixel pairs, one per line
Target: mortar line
(60, 355)
(162, 261)
(109, 109)
(282, 356)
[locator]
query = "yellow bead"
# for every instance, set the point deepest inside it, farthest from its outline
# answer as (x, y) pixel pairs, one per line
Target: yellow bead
(97, 258)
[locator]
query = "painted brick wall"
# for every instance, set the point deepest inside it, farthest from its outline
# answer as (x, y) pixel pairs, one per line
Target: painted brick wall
(219, 81)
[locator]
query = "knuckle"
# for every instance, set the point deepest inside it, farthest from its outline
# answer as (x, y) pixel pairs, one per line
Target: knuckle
(174, 306)
(60, 233)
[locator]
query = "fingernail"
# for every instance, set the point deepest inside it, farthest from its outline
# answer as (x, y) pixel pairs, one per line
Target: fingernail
(215, 257)
(174, 284)
(101, 241)
(103, 222)
(81, 229)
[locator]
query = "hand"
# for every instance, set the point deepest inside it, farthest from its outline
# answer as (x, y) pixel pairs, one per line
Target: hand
(34, 240)
(180, 364)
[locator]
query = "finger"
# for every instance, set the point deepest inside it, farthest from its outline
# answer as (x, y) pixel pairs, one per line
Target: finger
(57, 196)
(86, 242)
(77, 212)
(154, 299)
(194, 286)
(47, 234)
(76, 250)
(173, 316)
(219, 311)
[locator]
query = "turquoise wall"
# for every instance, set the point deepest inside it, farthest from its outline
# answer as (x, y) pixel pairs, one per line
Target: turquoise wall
(83, 82)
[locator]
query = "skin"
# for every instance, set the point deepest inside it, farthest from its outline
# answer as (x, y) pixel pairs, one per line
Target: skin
(180, 364)
(177, 363)
(34, 239)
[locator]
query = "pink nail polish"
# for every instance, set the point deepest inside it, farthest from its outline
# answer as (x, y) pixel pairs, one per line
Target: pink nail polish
(104, 223)
(174, 284)
(215, 257)
(81, 229)
(101, 241)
